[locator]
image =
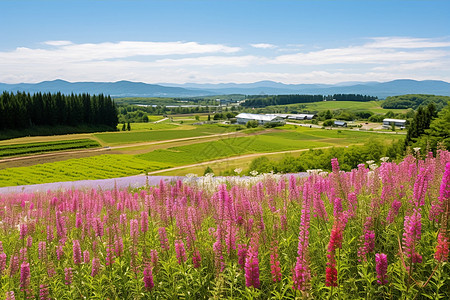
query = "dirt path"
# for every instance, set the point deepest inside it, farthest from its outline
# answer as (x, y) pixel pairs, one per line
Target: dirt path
(161, 120)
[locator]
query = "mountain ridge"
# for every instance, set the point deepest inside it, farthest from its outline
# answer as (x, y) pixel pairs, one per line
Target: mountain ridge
(126, 88)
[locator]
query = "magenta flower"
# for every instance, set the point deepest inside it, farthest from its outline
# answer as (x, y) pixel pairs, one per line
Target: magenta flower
(24, 275)
(109, 255)
(196, 259)
(50, 236)
(180, 251)
(23, 231)
(95, 266)
(10, 296)
(2, 263)
(86, 257)
(334, 165)
(412, 236)
(331, 276)
(367, 239)
(68, 276)
(76, 249)
(78, 221)
(42, 250)
(148, 278)
(144, 221)
(154, 258)
(252, 269)
(13, 265)
(134, 230)
(242, 254)
(43, 292)
(118, 246)
(381, 267)
(275, 268)
(164, 241)
(441, 248)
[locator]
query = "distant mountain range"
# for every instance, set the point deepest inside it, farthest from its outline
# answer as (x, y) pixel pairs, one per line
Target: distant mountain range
(139, 89)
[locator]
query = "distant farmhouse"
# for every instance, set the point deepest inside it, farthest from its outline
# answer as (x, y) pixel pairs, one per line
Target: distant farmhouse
(295, 116)
(340, 123)
(243, 118)
(387, 123)
(301, 117)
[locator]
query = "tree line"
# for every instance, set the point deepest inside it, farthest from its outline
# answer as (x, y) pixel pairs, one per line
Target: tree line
(262, 101)
(22, 110)
(414, 101)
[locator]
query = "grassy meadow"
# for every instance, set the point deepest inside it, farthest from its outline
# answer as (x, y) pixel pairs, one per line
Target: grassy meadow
(147, 158)
(372, 106)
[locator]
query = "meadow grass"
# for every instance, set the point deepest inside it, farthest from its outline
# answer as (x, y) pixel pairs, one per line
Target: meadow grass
(95, 167)
(372, 106)
(177, 132)
(148, 126)
(118, 165)
(276, 141)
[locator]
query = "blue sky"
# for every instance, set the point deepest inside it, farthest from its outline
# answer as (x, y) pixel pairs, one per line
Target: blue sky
(224, 41)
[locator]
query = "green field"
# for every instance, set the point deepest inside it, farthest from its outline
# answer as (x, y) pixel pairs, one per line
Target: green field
(44, 147)
(178, 132)
(95, 167)
(281, 140)
(289, 138)
(372, 106)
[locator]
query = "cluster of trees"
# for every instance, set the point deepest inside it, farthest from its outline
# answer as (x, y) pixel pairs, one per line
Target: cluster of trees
(429, 128)
(349, 158)
(136, 113)
(414, 101)
(22, 110)
(352, 97)
(262, 101)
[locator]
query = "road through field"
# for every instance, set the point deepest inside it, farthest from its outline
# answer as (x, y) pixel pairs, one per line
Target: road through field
(116, 147)
(233, 158)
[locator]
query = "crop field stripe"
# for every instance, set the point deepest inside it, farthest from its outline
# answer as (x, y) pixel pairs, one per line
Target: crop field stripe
(42, 147)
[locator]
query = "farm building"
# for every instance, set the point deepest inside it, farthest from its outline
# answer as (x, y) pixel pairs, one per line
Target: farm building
(243, 118)
(301, 117)
(387, 123)
(340, 123)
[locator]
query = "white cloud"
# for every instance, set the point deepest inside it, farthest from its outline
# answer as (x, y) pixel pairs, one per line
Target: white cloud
(237, 61)
(57, 43)
(406, 42)
(68, 52)
(263, 46)
(359, 55)
(379, 59)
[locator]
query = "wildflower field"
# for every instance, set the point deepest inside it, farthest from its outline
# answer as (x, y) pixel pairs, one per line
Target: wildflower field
(372, 233)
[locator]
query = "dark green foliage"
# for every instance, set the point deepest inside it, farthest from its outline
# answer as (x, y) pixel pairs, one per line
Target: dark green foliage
(208, 170)
(414, 101)
(376, 118)
(22, 110)
(328, 122)
(349, 158)
(273, 125)
(128, 126)
(438, 132)
(262, 101)
(252, 124)
(421, 122)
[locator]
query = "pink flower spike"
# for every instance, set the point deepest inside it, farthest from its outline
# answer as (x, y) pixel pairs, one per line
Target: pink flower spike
(381, 267)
